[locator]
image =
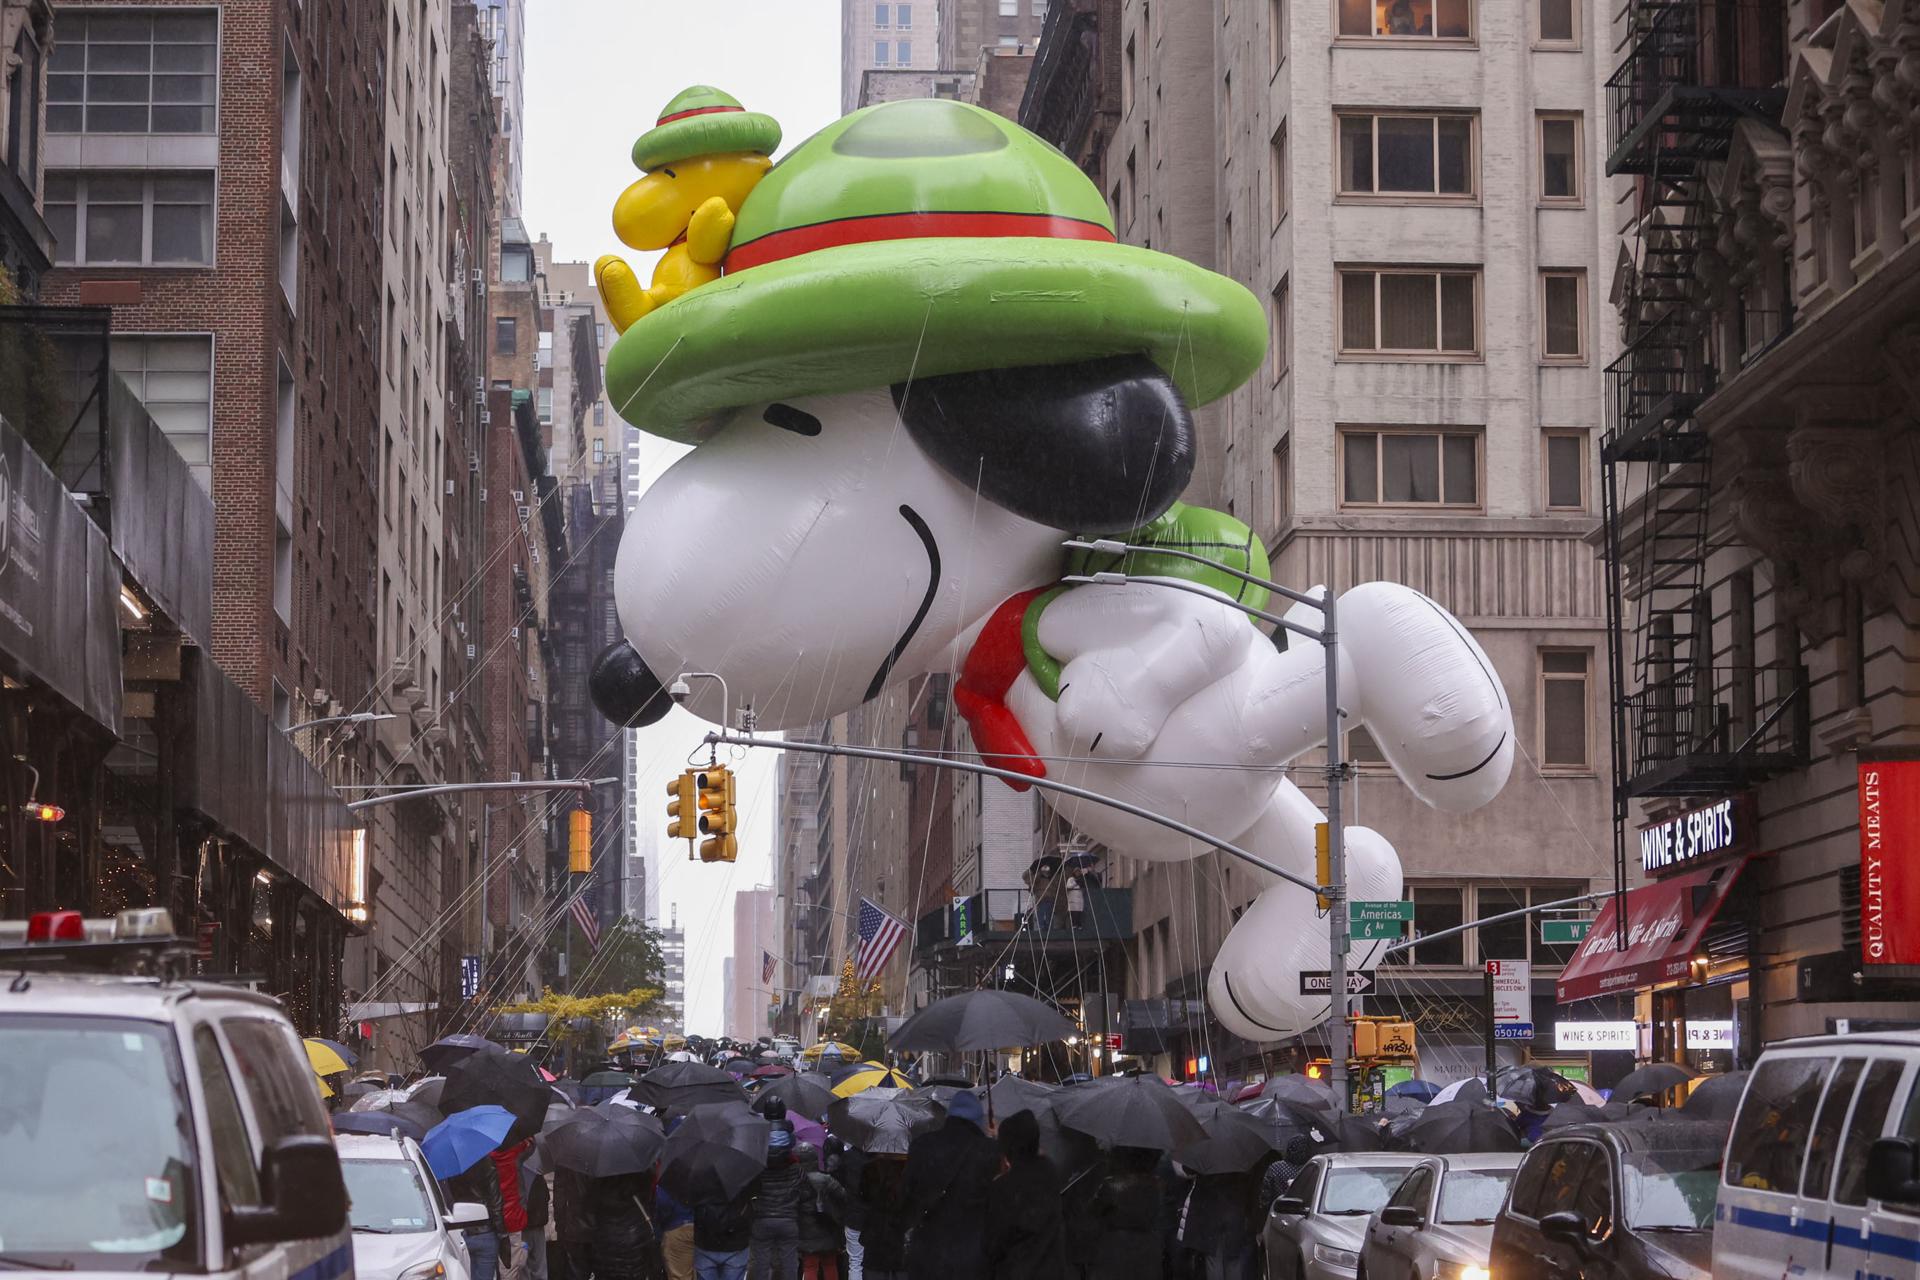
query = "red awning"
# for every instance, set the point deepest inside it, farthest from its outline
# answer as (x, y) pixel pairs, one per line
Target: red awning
(1665, 922)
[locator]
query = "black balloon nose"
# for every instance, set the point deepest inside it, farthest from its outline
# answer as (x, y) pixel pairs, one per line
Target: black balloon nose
(626, 692)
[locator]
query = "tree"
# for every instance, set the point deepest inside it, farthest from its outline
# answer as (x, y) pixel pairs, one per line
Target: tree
(628, 957)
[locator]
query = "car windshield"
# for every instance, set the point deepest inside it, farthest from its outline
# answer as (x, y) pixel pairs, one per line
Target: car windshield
(1473, 1195)
(1670, 1190)
(388, 1197)
(1359, 1190)
(96, 1146)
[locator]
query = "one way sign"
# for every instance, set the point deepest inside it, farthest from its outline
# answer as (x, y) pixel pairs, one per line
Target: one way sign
(1319, 982)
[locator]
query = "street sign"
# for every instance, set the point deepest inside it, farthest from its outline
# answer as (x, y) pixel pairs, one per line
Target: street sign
(1319, 982)
(1371, 920)
(962, 927)
(1564, 930)
(469, 977)
(1512, 999)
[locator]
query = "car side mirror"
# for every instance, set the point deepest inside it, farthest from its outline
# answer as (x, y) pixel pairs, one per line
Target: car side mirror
(1402, 1215)
(468, 1213)
(1567, 1227)
(1290, 1207)
(305, 1194)
(1893, 1170)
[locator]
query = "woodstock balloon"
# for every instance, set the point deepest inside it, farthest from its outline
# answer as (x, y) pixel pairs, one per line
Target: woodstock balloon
(926, 363)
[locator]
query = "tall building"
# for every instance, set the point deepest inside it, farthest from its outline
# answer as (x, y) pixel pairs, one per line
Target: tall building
(673, 957)
(26, 243)
(968, 26)
(884, 36)
(1427, 177)
(1759, 465)
(241, 293)
(503, 23)
(748, 1014)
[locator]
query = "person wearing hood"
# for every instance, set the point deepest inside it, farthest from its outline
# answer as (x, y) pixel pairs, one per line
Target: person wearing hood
(823, 1212)
(1026, 1236)
(949, 1172)
(775, 1239)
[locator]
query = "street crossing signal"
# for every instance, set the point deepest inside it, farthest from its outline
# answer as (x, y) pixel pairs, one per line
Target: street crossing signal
(717, 817)
(580, 841)
(682, 809)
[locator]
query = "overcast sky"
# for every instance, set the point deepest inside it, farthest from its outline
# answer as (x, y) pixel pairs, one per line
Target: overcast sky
(598, 72)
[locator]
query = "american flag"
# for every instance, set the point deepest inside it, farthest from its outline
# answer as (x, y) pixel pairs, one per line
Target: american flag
(766, 967)
(584, 917)
(880, 934)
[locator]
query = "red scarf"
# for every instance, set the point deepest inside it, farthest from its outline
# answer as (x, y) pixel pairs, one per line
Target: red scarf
(996, 660)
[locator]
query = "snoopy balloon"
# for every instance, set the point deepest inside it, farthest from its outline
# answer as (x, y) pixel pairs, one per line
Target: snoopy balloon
(927, 363)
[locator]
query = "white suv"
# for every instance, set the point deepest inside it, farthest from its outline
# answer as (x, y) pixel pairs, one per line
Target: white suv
(402, 1228)
(153, 1124)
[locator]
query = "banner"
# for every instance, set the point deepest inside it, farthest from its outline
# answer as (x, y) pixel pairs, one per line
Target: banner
(1889, 880)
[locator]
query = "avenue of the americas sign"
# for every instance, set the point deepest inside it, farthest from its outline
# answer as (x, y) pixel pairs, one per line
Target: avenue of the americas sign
(1714, 831)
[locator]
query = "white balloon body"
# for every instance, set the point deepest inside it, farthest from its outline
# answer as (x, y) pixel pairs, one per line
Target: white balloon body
(810, 569)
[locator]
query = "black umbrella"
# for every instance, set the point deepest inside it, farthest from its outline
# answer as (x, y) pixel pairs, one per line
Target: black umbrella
(1235, 1141)
(1535, 1088)
(1017, 1093)
(1456, 1128)
(447, 1050)
(680, 1085)
(427, 1090)
(1361, 1133)
(740, 1066)
(604, 1143)
(1135, 1111)
(1566, 1113)
(607, 1080)
(1403, 1104)
(502, 1080)
(379, 1123)
(717, 1150)
(883, 1122)
(806, 1095)
(980, 1020)
(1301, 1089)
(1716, 1097)
(1310, 1122)
(1654, 1078)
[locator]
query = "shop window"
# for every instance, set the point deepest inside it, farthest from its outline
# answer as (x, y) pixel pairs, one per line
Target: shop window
(1406, 19)
(1769, 1140)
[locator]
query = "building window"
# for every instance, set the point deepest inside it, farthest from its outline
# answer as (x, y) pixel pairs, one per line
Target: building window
(1436, 908)
(1409, 312)
(1129, 68)
(1565, 726)
(599, 452)
(506, 336)
(880, 51)
(1416, 19)
(1406, 155)
(152, 219)
(882, 15)
(133, 71)
(902, 52)
(1277, 158)
(1276, 34)
(903, 16)
(1562, 336)
(545, 402)
(1363, 750)
(1558, 24)
(173, 378)
(1401, 467)
(1560, 158)
(1009, 8)
(1279, 324)
(516, 264)
(1566, 470)
(1282, 481)
(23, 107)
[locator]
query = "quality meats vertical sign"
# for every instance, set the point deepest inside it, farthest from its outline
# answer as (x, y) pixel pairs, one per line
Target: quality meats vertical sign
(1889, 875)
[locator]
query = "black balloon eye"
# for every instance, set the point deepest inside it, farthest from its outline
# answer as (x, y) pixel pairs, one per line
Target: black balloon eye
(788, 418)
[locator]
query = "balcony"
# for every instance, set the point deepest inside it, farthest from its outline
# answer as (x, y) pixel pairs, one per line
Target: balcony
(1703, 731)
(1658, 380)
(1689, 75)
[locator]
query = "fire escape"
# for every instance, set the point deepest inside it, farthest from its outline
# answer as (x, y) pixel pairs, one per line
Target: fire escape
(1682, 725)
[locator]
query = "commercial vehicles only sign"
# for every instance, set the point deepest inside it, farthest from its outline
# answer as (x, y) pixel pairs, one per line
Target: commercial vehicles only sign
(1512, 999)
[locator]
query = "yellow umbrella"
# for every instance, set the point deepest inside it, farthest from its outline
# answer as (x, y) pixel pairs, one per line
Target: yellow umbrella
(846, 1052)
(326, 1090)
(324, 1060)
(670, 1043)
(872, 1075)
(620, 1046)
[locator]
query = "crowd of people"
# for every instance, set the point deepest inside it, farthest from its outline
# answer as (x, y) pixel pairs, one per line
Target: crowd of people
(970, 1200)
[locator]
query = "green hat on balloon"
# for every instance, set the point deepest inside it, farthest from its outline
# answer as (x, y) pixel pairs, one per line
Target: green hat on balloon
(916, 239)
(704, 121)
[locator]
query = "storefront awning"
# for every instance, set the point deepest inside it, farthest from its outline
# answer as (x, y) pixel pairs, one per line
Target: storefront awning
(1665, 923)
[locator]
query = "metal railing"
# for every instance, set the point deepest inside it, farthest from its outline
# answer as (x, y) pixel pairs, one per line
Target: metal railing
(1659, 378)
(1699, 729)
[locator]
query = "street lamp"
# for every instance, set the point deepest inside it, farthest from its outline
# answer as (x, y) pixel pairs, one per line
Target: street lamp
(1340, 1003)
(358, 717)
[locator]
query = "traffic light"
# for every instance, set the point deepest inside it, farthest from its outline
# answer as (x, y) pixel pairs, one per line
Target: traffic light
(682, 809)
(717, 817)
(45, 812)
(1322, 862)
(580, 841)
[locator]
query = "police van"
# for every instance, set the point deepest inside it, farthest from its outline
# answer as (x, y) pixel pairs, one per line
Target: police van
(149, 1123)
(1822, 1172)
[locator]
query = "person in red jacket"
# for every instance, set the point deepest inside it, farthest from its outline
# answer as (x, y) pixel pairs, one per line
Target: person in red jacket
(523, 1202)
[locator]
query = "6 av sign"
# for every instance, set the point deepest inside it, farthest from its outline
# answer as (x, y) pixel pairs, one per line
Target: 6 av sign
(1371, 920)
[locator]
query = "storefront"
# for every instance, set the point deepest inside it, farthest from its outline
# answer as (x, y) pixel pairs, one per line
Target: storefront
(1682, 953)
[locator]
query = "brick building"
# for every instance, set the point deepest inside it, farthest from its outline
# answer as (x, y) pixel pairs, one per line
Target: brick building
(26, 245)
(243, 320)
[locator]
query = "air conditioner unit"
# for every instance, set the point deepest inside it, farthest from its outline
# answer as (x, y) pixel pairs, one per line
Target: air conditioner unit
(486, 416)
(480, 397)
(519, 495)
(449, 488)
(483, 495)
(469, 653)
(461, 626)
(514, 776)
(479, 276)
(526, 512)
(516, 633)
(480, 386)
(473, 463)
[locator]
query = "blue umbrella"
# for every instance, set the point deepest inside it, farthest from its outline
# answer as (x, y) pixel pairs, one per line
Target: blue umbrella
(464, 1139)
(1424, 1090)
